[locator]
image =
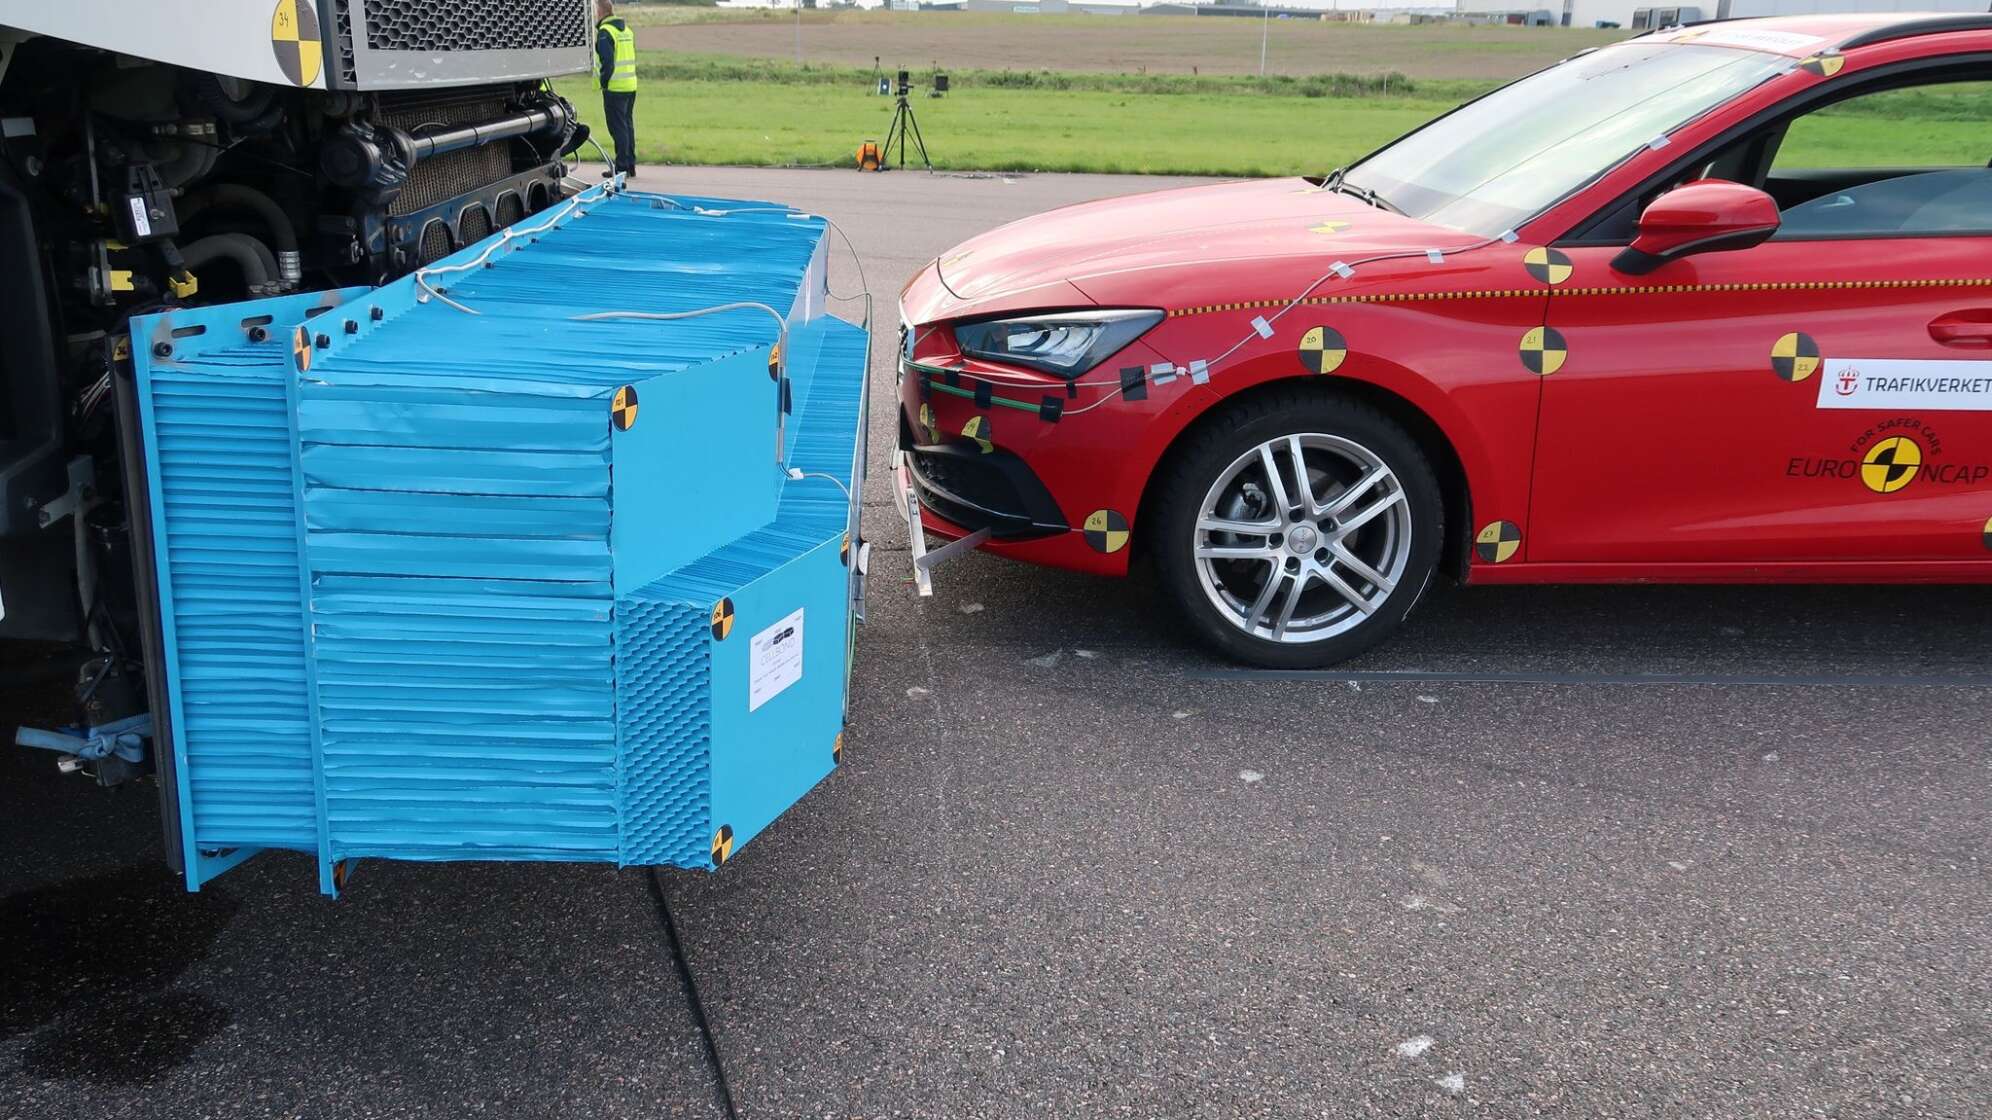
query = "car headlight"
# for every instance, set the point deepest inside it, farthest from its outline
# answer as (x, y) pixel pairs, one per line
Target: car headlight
(1066, 343)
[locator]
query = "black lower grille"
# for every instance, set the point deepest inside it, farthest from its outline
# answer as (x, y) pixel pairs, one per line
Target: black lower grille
(975, 489)
(436, 244)
(476, 226)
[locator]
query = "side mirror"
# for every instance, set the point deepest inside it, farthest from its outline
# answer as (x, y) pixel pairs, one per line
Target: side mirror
(1701, 217)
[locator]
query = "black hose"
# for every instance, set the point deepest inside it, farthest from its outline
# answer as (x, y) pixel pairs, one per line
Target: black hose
(190, 163)
(207, 89)
(235, 196)
(253, 257)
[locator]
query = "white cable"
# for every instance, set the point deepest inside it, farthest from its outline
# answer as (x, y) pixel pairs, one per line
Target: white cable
(798, 474)
(1341, 270)
(791, 211)
(781, 322)
(505, 237)
(780, 351)
(857, 262)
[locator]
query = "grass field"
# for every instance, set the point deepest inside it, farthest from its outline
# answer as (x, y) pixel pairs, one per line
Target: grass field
(687, 117)
(1141, 94)
(1112, 44)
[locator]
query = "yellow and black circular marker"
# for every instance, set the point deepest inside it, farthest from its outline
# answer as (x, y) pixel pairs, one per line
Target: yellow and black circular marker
(1988, 532)
(837, 750)
(977, 429)
(722, 619)
(1825, 63)
(1795, 356)
(1329, 226)
(844, 554)
(623, 409)
(722, 844)
(1498, 542)
(301, 349)
(1105, 531)
(927, 422)
(1891, 464)
(1322, 349)
(294, 36)
(775, 362)
(1543, 350)
(1548, 265)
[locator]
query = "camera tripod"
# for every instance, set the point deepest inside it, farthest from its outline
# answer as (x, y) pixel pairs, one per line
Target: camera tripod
(903, 122)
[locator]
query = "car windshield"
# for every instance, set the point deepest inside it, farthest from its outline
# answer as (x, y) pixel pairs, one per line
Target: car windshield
(1506, 157)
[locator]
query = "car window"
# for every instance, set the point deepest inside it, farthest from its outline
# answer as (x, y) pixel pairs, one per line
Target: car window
(1500, 160)
(1903, 162)
(1941, 125)
(1930, 202)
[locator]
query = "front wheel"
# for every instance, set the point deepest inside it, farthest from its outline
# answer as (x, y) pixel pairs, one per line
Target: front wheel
(1297, 529)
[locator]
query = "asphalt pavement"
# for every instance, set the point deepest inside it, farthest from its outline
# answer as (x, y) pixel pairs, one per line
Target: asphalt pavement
(1074, 867)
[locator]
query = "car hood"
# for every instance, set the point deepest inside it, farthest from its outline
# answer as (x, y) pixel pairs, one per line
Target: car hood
(1190, 227)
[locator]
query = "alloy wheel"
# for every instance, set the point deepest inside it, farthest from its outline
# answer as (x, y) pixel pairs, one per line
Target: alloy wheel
(1302, 538)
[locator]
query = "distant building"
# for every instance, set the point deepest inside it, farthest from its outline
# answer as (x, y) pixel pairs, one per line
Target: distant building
(1245, 11)
(1505, 12)
(1053, 7)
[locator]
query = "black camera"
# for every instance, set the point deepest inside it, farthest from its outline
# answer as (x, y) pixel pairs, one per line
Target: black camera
(905, 82)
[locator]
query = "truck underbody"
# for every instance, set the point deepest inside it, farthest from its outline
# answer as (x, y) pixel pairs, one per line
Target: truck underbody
(323, 462)
(131, 187)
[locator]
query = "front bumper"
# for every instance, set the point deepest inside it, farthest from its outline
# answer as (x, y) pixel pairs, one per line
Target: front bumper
(976, 489)
(992, 453)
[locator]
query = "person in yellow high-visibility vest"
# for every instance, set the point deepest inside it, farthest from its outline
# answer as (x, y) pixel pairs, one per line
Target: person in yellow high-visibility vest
(615, 66)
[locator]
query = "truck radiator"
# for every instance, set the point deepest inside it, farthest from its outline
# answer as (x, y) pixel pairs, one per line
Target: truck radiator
(509, 586)
(441, 178)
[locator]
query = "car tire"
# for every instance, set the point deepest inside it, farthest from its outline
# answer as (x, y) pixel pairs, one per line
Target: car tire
(1217, 477)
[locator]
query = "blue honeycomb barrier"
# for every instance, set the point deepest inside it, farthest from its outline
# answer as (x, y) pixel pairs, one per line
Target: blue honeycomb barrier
(665, 720)
(424, 596)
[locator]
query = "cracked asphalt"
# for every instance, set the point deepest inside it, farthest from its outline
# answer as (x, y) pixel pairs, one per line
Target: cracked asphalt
(1073, 867)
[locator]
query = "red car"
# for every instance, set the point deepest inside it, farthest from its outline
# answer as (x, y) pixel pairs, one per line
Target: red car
(1670, 310)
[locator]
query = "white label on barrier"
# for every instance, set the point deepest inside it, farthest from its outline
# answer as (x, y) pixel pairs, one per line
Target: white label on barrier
(140, 221)
(774, 660)
(1906, 384)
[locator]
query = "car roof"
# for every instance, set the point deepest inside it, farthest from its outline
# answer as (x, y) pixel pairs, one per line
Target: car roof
(1799, 36)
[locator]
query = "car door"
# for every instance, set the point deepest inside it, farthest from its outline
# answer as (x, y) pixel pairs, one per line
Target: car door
(1822, 398)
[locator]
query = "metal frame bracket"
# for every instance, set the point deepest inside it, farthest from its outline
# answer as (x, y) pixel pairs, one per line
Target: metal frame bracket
(907, 500)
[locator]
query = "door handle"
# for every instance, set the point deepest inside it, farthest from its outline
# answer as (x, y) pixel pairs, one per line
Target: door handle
(1971, 328)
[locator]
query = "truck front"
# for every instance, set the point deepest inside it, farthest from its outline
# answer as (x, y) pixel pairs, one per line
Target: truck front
(178, 153)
